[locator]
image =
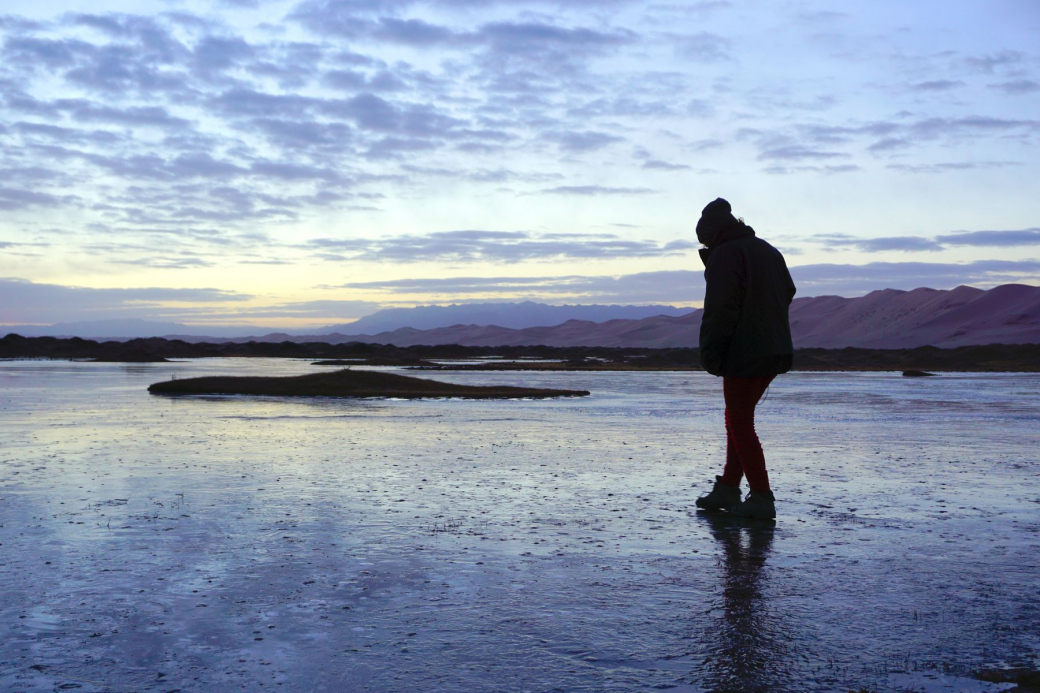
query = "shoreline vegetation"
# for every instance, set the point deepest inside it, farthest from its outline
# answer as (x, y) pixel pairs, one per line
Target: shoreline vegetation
(989, 358)
(349, 383)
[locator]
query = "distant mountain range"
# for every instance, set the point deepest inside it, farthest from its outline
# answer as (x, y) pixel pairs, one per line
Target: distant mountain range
(512, 315)
(885, 319)
(515, 316)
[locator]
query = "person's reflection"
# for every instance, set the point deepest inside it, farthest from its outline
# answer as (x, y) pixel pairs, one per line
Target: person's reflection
(744, 653)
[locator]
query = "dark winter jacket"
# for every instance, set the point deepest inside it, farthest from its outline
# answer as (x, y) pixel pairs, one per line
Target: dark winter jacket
(745, 329)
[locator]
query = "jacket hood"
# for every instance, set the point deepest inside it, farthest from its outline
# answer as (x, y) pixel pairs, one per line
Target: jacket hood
(715, 217)
(737, 229)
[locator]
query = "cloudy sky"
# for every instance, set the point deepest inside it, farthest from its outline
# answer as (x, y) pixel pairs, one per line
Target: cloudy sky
(297, 163)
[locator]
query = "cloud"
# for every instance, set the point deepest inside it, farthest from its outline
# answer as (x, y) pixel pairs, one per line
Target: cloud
(970, 125)
(347, 18)
(376, 114)
(853, 280)
(16, 198)
(165, 262)
(658, 165)
(156, 116)
(876, 245)
(218, 53)
(672, 286)
(36, 53)
(1017, 87)
(292, 65)
(787, 170)
(35, 132)
(591, 190)
(194, 128)
(492, 246)
(325, 310)
(703, 47)
(294, 172)
(355, 80)
(1004, 239)
(991, 239)
(947, 166)
(685, 286)
(533, 38)
(889, 144)
(937, 85)
(581, 141)
(481, 175)
(298, 134)
(153, 167)
(413, 32)
(625, 106)
(242, 101)
(804, 142)
(24, 301)
(838, 134)
(820, 16)
(34, 175)
(798, 153)
(23, 249)
(991, 63)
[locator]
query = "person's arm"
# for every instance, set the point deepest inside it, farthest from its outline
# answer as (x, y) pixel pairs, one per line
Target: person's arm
(723, 299)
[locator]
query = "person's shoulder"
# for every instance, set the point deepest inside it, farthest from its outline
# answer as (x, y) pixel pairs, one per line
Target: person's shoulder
(725, 253)
(762, 244)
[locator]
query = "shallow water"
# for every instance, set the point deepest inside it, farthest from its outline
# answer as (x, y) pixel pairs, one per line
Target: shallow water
(159, 544)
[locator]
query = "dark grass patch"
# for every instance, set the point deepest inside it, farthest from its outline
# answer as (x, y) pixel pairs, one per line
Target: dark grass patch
(348, 383)
(372, 362)
(1027, 680)
(914, 373)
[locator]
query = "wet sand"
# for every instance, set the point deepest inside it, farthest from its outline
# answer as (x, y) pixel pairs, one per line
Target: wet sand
(160, 544)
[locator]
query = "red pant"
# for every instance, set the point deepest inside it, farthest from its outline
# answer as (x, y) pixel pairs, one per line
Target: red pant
(743, 450)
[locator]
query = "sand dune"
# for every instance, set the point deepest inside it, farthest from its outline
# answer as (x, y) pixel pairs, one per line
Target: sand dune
(889, 319)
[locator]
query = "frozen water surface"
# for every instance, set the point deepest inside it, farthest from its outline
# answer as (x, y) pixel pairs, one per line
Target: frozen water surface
(157, 544)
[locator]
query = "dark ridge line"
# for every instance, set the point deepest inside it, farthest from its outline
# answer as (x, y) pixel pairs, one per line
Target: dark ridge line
(986, 358)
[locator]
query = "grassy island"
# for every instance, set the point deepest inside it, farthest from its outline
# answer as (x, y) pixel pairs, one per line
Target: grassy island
(347, 383)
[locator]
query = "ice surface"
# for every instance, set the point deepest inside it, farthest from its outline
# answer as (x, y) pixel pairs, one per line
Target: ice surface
(225, 543)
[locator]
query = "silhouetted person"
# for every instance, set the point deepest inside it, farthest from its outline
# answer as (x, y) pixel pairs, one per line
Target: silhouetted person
(745, 338)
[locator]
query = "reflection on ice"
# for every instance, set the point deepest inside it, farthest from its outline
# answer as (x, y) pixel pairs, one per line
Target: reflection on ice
(152, 544)
(749, 653)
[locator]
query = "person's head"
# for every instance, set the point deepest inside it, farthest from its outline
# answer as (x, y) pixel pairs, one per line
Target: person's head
(718, 215)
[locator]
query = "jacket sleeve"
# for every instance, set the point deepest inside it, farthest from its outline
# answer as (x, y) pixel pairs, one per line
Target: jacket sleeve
(791, 289)
(725, 286)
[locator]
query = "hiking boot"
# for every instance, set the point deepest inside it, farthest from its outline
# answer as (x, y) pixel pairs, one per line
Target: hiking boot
(759, 505)
(722, 497)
